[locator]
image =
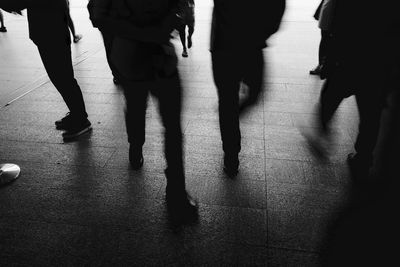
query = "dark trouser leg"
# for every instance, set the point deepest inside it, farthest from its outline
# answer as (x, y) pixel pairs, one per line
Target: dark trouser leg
(370, 109)
(227, 80)
(108, 40)
(57, 61)
(190, 30)
(1, 20)
(253, 76)
(182, 35)
(135, 113)
(169, 93)
(323, 46)
(330, 100)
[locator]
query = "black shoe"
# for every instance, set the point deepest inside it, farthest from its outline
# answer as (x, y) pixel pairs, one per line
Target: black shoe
(182, 208)
(76, 129)
(65, 123)
(231, 164)
(316, 70)
(3, 29)
(116, 81)
(135, 158)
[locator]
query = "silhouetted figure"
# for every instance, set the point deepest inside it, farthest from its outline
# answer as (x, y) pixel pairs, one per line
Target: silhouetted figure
(108, 37)
(354, 66)
(2, 27)
(75, 37)
(324, 15)
(48, 29)
(186, 13)
(238, 36)
(146, 63)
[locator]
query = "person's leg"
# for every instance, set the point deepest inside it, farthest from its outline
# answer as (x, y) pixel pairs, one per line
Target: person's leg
(323, 47)
(169, 94)
(321, 53)
(108, 40)
(2, 27)
(58, 64)
(329, 102)
(370, 109)
(319, 142)
(190, 33)
(135, 118)
(182, 35)
(168, 91)
(227, 79)
(253, 68)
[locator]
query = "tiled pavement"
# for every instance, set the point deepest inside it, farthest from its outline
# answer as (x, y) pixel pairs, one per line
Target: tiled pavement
(80, 204)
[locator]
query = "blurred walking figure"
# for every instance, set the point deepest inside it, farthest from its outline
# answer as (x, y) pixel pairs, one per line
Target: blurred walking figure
(186, 13)
(354, 66)
(238, 36)
(48, 29)
(2, 27)
(324, 15)
(147, 63)
(75, 37)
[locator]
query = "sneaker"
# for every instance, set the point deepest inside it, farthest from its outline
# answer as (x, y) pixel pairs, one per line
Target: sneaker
(184, 53)
(231, 164)
(65, 122)
(135, 158)
(77, 38)
(3, 29)
(76, 129)
(316, 70)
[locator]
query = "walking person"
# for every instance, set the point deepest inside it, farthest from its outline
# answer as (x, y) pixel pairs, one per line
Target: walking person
(238, 36)
(75, 37)
(356, 67)
(186, 13)
(48, 29)
(146, 63)
(2, 27)
(323, 14)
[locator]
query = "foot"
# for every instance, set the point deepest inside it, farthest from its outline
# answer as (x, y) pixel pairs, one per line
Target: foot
(77, 38)
(189, 41)
(231, 164)
(135, 158)
(77, 128)
(3, 29)
(316, 70)
(182, 208)
(65, 122)
(184, 53)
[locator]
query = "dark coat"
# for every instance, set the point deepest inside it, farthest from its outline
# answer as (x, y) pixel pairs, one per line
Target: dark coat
(238, 25)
